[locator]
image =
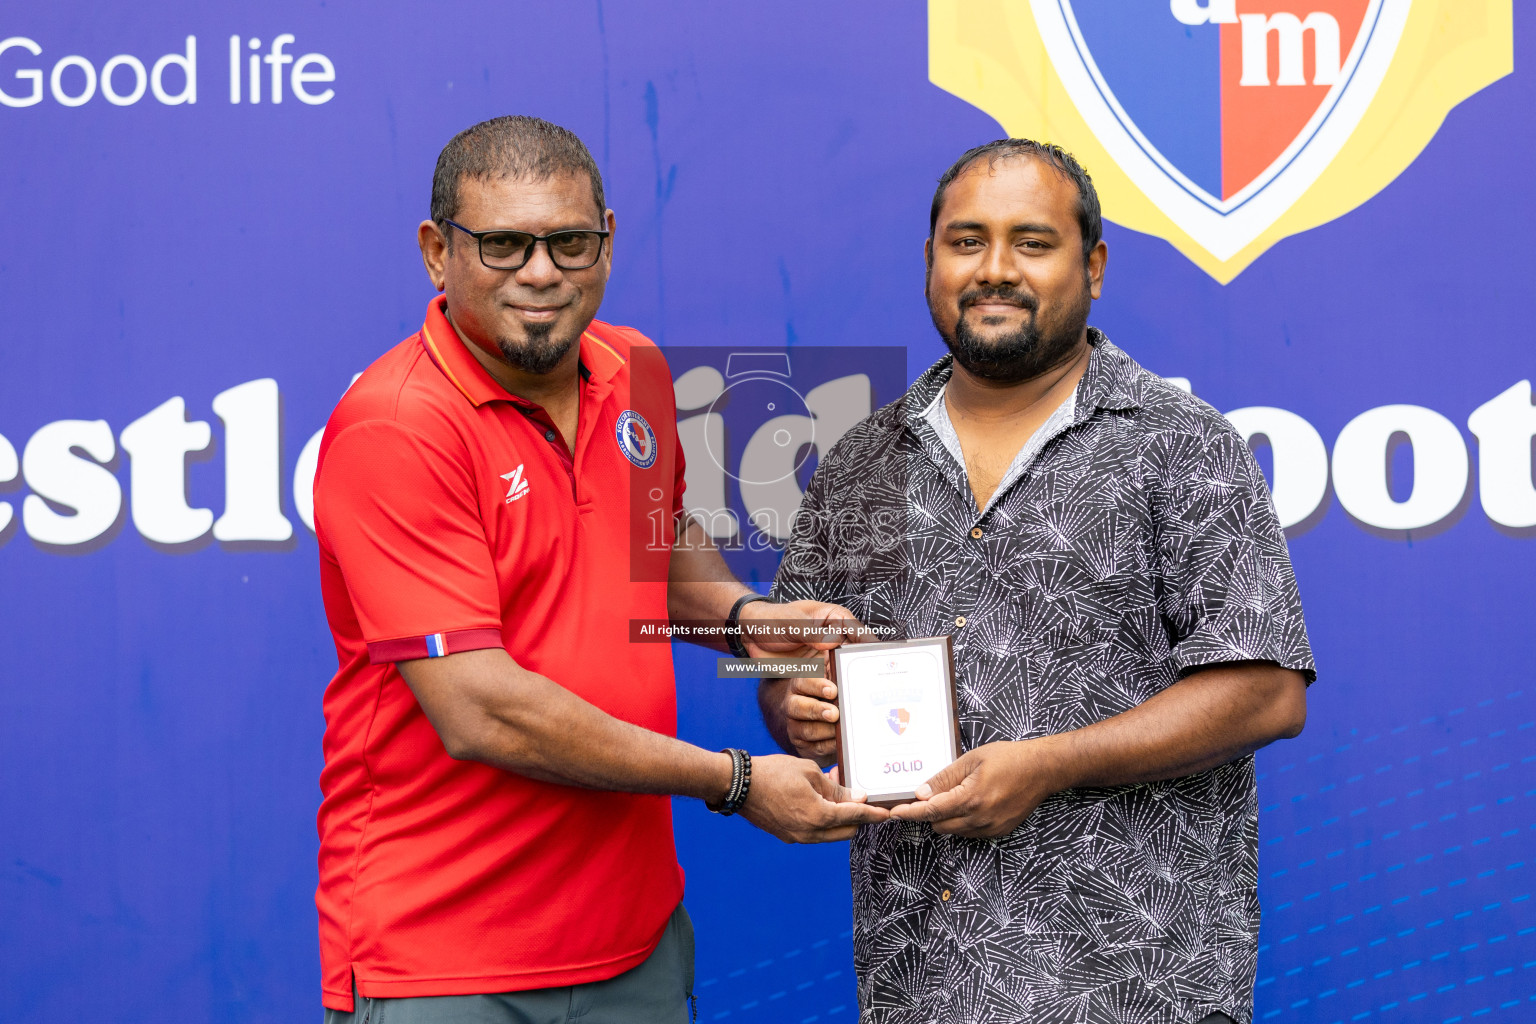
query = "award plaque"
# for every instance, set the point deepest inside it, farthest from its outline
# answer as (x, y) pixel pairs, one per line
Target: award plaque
(897, 720)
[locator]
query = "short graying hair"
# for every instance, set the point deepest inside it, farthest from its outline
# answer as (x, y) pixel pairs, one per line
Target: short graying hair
(515, 146)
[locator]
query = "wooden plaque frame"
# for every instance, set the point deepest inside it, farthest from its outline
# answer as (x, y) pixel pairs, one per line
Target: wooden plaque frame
(883, 796)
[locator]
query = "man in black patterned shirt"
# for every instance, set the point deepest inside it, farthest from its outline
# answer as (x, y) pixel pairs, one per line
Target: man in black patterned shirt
(1127, 631)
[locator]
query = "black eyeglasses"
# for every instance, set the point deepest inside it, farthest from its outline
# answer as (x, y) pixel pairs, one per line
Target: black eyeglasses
(509, 250)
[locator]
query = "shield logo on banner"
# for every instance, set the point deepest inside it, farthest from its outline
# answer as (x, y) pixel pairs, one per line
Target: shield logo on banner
(1224, 126)
(898, 719)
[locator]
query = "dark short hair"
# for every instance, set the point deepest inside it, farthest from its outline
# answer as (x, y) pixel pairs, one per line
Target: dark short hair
(1089, 218)
(515, 146)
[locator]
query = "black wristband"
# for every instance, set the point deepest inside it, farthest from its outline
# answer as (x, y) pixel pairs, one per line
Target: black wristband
(733, 638)
(741, 782)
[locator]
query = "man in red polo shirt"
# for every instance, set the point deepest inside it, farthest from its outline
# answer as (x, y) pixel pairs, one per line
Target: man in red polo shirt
(496, 833)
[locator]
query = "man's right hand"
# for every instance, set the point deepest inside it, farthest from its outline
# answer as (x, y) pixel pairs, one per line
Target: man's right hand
(794, 801)
(808, 716)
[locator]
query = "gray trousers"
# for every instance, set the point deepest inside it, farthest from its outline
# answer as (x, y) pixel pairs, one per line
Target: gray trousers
(656, 992)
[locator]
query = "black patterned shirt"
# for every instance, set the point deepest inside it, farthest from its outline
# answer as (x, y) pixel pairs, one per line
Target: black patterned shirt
(1138, 544)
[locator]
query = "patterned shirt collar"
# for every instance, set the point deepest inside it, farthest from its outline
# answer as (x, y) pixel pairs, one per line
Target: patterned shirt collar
(1062, 417)
(1109, 383)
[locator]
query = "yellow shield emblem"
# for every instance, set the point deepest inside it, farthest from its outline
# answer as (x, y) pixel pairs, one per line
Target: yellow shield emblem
(1224, 126)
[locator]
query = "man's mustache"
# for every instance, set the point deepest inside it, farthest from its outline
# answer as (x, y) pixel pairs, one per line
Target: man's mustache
(1010, 296)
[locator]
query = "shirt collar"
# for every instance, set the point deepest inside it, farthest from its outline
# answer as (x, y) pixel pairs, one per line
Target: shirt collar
(1109, 382)
(599, 361)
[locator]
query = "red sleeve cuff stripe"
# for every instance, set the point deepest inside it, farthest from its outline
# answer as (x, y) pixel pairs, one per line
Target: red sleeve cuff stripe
(434, 645)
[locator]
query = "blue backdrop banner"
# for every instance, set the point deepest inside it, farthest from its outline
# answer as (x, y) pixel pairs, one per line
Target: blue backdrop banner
(1320, 221)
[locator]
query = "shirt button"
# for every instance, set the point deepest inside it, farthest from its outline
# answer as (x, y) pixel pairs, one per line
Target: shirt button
(549, 435)
(945, 896)
(976, 533)
(960, 620)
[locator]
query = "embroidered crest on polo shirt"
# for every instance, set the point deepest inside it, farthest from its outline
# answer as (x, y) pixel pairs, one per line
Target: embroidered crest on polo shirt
(517, 487)
(636, 439)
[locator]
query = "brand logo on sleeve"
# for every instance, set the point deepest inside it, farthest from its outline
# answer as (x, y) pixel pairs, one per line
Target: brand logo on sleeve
(517, 487)
(636, 439)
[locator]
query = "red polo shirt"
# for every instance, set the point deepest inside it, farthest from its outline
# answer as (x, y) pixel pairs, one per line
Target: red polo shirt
(452, 517)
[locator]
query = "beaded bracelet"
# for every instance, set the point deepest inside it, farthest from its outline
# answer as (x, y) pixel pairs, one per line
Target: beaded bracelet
(741, 782)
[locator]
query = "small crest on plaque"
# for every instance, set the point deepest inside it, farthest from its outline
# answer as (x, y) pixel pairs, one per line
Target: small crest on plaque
(898, 719)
